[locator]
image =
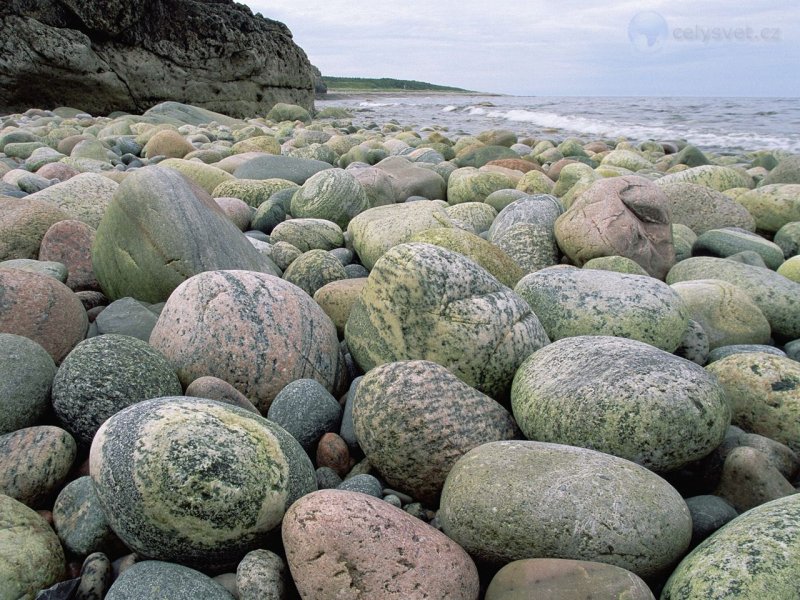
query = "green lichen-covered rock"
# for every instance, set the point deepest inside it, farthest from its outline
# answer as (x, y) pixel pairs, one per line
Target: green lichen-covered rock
(764, 393)
(205, 176)
(159, 580)
(80, 522)
(86, 196)
(776, 296)
(701, 208)
(478, 215)
(258, 143)
(412, 435)
(469, 184)
(314, 269)
(788, 238)
(289, 112)
(478, 156)
(727, 315)
(524, 231)
(571, 302)
(535, 182)
(682, 238)
(618, 264)
(425, 302)
(378, 229)
(255, 331)
(31, 557)
(791, 269)
(23, 223)
(309, 234)
(486, 254)
(26, 377)
(712, 176)
(334, 195)
(34, 462)
(621, 397)
(754, 556)
(773, 206)
(627, 159)
(509, 500)
(729, 241)
(786, 171)
(104, 374)
(196, 481)
(253, 191)
(159, 231)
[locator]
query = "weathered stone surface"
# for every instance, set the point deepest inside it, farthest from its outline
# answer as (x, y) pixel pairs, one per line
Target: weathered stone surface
(414, 419)
(268, 166)
(730, 241)
(207, 485)
(412, 180)
(34, 462)
(764, 393)
(621, 397)
(469, 184)
(70, 243)
(701, 208)
(129, 317)
(309, 234)
(773, 206)
(56, 270)
(334, 195)
(205, 176)
(337, 299)
(571, 302)
(42, 309)
(26, 377)
(253, 191)
(488, 255)
(563, 579)
(754, 556)
(378, 229)
(157, 579)
(85, 196)
(749, 479)
(709, 513)
(23, 224)
(255, 331)
(477, 215)
(776, 296)
(161, 230)
(80, 522)
(711, 176)
(505, 501)
(31, 557)
(214, 388)
(314, 269)
(425, 302)
(727, 315)
(262, 575)
(524, 231)
(103, 57)
(348, 545)
(624, 216)
(103, 375)
(307, 411)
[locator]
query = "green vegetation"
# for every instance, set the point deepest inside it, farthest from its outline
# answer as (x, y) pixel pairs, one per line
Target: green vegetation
(384, 84)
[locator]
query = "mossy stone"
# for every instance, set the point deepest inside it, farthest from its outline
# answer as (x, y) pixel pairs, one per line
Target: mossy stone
(334, 195)
(313, 269)
(26, 378)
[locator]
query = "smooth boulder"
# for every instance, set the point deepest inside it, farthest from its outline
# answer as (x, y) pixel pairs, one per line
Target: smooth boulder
(506, 501)
(425, 302)
(621, 397)
(195, 481)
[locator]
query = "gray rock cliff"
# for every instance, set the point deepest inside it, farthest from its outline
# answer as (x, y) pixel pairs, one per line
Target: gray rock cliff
(127, 55)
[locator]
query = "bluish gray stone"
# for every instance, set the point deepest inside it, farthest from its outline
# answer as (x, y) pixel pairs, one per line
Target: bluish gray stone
(307, 411)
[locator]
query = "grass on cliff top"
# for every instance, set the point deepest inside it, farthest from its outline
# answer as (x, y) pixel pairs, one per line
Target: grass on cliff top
(385, 84)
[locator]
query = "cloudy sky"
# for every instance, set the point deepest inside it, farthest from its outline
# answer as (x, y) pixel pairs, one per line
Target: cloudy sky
(556, 47)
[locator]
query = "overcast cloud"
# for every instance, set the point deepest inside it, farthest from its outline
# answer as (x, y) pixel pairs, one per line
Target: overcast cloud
(552, 48)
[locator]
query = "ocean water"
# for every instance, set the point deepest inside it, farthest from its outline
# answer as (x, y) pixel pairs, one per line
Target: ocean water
(720, 125)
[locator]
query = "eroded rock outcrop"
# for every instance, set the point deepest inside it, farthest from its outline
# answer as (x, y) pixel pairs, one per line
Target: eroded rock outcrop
(103, 56)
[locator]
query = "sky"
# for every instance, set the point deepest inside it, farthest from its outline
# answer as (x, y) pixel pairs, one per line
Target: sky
(556, 47)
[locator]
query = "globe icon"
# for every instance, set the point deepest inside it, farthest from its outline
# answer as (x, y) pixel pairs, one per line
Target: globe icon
(648, 31)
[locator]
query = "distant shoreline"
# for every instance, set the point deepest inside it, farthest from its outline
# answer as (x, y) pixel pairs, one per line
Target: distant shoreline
(342, 94)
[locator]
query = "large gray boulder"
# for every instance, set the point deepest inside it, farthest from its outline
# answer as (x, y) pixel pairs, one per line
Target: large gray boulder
(109, 55)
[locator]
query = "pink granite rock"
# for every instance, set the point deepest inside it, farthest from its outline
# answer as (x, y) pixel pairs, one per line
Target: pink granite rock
(215, 388)
(43, 309)
(70, 243)
(253, 330)
(619, 216)
(351, 546)
(57, 170)
(238, 211)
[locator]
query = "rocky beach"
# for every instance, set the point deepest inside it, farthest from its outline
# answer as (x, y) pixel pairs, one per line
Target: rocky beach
(310, 354)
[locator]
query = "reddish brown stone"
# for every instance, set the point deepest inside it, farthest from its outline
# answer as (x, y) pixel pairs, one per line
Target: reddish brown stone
(42, 309)
(214, 388)
(333, 452)
(352, 546)
(70, 243)
(596, 147)
(555, 169)
(57, 170)
(238, 211)
(749, 480)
